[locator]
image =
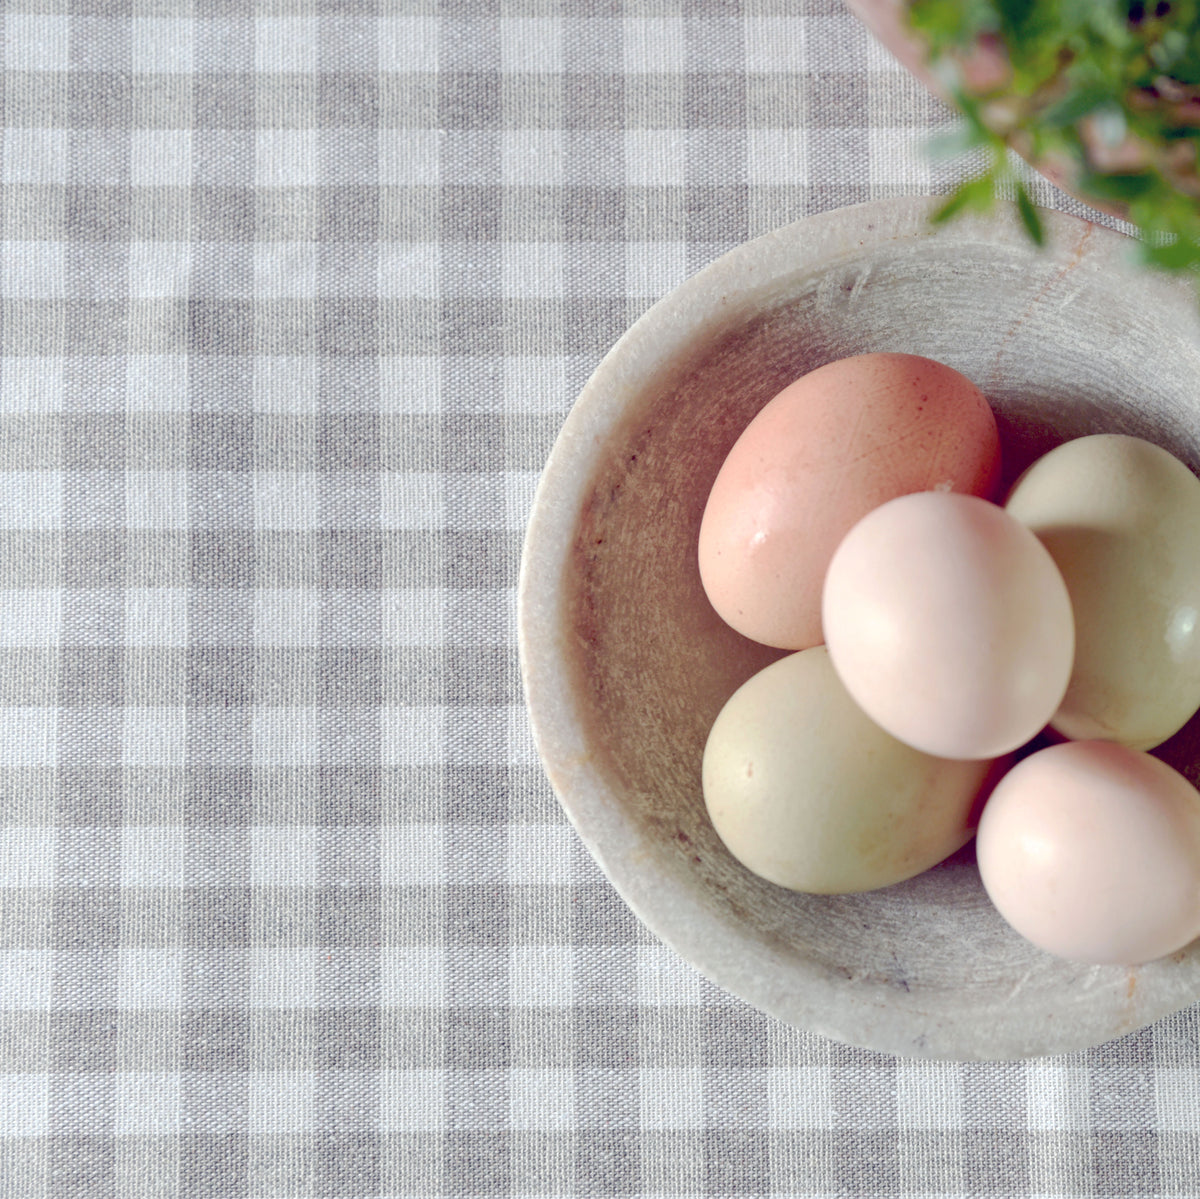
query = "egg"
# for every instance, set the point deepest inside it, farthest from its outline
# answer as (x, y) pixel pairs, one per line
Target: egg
(826, 450)
(950, 625)
(807, 792)
(1091, 850)
(1121, 518)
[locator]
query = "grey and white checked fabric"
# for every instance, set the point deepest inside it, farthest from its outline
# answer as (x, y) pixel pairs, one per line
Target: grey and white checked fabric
(294, 297)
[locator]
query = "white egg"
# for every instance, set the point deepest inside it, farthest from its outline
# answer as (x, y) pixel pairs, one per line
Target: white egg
(1091, 850)
(949, 624)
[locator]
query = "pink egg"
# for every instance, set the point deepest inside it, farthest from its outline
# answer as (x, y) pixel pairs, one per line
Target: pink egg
(1091, 850)
(948, 622)
(825, 451)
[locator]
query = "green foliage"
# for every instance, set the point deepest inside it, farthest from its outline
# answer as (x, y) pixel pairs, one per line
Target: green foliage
(1087, 82)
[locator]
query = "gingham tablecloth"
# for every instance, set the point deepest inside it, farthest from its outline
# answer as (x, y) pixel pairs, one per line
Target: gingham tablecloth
(292, 305)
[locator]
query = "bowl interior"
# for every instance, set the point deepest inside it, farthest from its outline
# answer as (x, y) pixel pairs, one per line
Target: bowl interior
(643, 663)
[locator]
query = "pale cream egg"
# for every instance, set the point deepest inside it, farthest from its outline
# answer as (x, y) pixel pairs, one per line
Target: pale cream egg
(1121, 519)
(809, 793)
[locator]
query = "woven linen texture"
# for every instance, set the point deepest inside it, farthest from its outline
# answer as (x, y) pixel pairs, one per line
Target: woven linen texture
(294, 298)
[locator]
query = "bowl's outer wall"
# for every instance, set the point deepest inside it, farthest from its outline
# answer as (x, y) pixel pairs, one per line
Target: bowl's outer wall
(626, 665)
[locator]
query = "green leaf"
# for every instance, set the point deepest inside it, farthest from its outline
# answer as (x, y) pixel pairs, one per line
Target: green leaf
(1171, 48)
(952, 207)
(952, 144)
(1076, 12)
(946, 23)
(1075, 105)
(976, 195)
(1121, 188)
(1014, 14)
(972, 112)
(1187, 70)
(1172, 256)
(1107, 21)
(1029, 216)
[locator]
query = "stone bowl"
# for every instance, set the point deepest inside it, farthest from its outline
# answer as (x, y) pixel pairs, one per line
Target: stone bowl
(625, 664)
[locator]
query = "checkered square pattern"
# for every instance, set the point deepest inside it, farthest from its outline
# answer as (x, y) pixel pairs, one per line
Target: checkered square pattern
(294, 297)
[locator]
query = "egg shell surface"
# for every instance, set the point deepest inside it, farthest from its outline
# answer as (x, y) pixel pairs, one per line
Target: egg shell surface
(829, 448)
(807, 792)
(1121, 519)
(1091, 850)
(950, 625)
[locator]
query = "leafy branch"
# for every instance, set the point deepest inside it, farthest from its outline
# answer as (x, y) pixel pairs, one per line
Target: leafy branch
(1106, 90)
